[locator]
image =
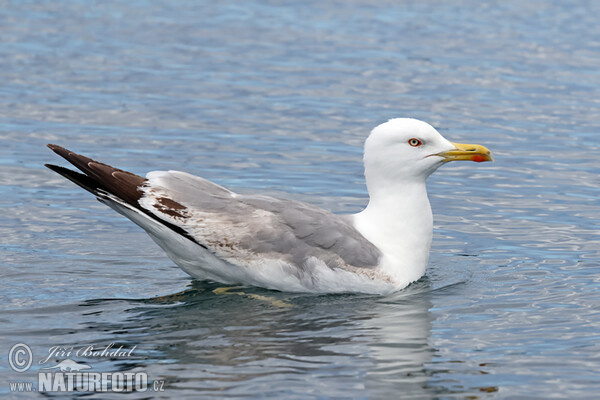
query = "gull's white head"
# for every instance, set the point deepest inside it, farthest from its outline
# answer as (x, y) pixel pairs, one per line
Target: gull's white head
(399, 156)
(406, 150)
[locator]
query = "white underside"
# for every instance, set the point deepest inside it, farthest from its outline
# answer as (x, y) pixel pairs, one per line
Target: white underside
(315, 277)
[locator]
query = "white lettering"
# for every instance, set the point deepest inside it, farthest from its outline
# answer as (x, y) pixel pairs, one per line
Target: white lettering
(141, 381)
(87, 382)
(57, 351)
(59, 383)
(45, 381)
(94, 382)
(21, 386)
(118, 382)
(105, 380)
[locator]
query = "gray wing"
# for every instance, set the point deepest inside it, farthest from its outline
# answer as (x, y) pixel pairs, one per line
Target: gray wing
(239, 228)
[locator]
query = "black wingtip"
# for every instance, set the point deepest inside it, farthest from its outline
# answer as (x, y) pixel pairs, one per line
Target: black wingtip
(99, 178)
(57, 169)
(79, 179)
(61, 151)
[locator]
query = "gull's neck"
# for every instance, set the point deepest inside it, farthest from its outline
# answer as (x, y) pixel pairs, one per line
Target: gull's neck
(399, 222)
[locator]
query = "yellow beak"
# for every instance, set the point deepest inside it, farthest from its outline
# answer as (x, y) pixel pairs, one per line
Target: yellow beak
(467, 152)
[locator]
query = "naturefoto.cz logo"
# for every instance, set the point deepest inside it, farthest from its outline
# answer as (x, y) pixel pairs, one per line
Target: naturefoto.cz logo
(68, 375)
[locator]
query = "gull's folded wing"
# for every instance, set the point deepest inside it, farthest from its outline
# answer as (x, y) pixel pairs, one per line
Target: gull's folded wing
(240, 229)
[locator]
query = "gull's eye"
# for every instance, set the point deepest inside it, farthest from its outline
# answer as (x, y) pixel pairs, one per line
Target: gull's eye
(415, 142)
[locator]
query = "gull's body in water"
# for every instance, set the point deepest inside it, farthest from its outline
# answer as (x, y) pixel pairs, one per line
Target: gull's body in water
(213, 233)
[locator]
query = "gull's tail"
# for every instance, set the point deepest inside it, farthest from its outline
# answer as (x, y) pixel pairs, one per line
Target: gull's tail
(99, 177)
(114, 187)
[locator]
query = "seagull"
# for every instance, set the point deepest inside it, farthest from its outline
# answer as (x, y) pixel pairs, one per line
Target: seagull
(215, 234)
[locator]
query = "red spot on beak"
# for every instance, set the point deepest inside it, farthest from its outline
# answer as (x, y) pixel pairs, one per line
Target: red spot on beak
(478, 158)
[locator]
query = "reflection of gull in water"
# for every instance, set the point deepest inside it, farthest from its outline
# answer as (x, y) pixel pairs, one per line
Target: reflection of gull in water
(213, 233)
(221, 342)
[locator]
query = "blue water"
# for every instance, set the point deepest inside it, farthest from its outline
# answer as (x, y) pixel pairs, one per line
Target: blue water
(278, 98)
